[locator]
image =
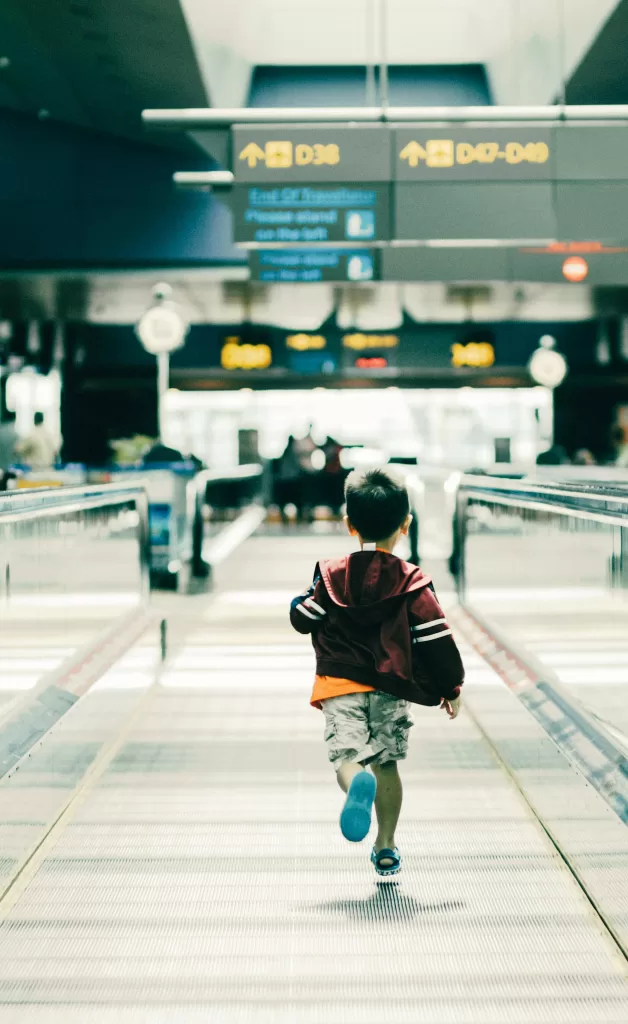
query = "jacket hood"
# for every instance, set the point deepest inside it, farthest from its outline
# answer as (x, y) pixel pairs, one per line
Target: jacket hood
(366, 582)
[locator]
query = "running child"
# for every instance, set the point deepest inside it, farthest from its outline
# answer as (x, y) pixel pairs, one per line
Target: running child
(382, 643)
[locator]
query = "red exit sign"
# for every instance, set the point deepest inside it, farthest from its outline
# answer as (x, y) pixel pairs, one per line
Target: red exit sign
(371, 363)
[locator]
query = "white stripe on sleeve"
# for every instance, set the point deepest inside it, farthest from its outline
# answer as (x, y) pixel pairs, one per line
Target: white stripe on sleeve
(428, 625)
(436, 636)
(311, 603)
(304, 611)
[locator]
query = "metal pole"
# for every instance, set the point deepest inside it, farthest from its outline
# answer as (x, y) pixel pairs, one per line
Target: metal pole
(163, 382)
(383, 52)
(205, 118)
(370, 15)
(514, 48)
(562, 71)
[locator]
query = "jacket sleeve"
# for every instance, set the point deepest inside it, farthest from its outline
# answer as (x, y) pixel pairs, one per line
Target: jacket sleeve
(436, 661)
(307, 610)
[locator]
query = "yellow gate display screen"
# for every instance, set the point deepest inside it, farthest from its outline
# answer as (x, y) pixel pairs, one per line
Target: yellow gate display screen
(474, 353)
(359, 342)
(306, 342)
(235, 356)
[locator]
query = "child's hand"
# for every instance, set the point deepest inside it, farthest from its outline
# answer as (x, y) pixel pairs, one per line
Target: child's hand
(452, 707)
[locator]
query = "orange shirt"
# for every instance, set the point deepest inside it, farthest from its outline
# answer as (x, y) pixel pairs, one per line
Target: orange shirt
(330, 686)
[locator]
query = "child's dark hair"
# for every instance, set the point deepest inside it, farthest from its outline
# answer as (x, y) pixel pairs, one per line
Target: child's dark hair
(377, 504)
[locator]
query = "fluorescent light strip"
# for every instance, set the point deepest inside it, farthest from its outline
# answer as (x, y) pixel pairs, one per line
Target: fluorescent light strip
(264, 682)
(583, 658)
(74, 600)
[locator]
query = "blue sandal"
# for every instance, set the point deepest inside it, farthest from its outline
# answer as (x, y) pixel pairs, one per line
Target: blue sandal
(386, 854)
(355, 819)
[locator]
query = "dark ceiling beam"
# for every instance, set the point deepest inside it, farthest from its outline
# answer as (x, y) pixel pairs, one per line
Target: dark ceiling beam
(97, 63)
(602, 74)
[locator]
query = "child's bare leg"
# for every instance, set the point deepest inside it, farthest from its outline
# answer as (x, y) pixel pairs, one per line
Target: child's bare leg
(346, 773)
(387, 806)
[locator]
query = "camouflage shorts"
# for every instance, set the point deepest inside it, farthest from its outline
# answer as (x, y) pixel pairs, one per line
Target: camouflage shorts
(367, 727)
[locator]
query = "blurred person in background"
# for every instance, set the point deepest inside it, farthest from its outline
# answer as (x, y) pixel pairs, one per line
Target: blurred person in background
(288, 479)
(554, 456)
(38, 449)
(584, 457)
(620, 445)
(8, 441)
(305, 448)
(160, 452)
(333, 476)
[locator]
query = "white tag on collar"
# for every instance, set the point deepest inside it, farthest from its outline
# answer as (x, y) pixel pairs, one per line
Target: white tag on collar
(371, 546)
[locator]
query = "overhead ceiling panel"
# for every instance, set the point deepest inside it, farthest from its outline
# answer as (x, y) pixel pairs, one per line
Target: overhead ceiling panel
(527, 47)
(351, 86)
(97, 63)
(348, 31)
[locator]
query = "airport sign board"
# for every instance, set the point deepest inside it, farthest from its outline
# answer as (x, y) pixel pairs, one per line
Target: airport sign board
(369, 183)
(605, 264)
(486, 153)
(297, 214)
(430, 181)
(314, 265)
(311, 153)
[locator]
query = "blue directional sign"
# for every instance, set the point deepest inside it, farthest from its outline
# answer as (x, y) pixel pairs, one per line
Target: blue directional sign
(315, 264)
(293, 214)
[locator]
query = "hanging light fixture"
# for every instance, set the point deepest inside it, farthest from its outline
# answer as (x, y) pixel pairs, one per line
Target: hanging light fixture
(162, 330)
(547, 366)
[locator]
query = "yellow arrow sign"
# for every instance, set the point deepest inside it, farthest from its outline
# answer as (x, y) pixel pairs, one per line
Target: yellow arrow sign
(413, 152)
(252, 153)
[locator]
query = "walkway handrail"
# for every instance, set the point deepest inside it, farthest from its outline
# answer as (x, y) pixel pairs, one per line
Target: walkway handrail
(196, 499)
(214, 476)
(595, 501)
(75, 521)
(595, 498)
(84, 495)
(545, 511)
(43, 502)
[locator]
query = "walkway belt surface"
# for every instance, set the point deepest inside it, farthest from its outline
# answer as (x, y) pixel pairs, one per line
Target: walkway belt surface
(201, 876)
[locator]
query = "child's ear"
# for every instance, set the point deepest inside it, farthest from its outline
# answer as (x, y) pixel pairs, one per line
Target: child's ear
(352, 530)
(406, 526)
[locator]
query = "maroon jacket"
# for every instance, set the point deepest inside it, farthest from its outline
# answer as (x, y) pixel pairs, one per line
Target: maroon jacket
(374, 619)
